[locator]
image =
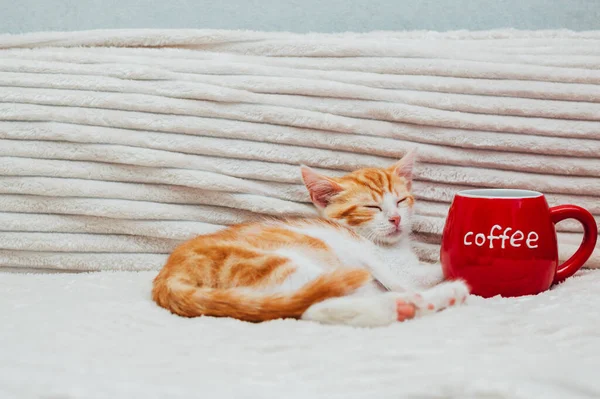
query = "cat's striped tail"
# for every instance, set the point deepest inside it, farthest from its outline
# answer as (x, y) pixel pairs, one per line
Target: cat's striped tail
(187, 300)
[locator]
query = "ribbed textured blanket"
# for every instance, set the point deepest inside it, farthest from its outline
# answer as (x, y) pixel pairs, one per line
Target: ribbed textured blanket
(117, 145)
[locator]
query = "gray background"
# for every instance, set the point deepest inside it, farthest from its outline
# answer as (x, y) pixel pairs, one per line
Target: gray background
(299, 15)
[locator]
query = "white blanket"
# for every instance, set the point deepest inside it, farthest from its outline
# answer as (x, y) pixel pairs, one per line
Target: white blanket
(117, 145)
(99, 335)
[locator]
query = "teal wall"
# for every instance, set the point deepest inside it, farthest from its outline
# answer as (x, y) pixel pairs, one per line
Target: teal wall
(299, 15)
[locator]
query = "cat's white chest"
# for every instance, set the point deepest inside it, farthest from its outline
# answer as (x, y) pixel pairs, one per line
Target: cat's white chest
(348, 249)
(396, 256)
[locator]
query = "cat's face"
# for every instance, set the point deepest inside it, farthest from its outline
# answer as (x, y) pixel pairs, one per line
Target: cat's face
(376, 203)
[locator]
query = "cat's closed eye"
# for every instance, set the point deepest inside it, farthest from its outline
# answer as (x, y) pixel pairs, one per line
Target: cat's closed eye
(401, 201)
(373, 207)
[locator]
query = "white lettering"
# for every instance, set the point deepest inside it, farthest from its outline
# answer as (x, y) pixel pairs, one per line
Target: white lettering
(482, 236)
(505, 236)
(513, 240)
(530, 239)
(467, 243)
(492, 237)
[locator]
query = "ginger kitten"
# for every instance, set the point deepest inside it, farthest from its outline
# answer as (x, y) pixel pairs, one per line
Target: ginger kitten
(326, 269)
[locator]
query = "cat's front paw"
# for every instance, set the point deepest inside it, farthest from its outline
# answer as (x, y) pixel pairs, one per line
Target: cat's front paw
(440, 297)
(400, 288)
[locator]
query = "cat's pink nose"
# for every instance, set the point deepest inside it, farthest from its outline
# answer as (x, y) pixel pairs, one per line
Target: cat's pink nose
(395, 220)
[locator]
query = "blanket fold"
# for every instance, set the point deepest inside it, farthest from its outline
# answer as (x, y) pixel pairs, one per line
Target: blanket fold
(117, 145)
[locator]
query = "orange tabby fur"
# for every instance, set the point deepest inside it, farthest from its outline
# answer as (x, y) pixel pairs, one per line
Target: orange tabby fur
(203, 275)
(365, 186)
(229, 273)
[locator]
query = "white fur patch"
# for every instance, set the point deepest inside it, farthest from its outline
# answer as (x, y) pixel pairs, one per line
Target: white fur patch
(372, 311)
(346, 247)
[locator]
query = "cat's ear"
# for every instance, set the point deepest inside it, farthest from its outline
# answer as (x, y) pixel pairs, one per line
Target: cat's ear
(404, 167)
(321, 188)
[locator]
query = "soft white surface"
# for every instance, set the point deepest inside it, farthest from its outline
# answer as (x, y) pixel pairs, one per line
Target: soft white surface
(100, 336)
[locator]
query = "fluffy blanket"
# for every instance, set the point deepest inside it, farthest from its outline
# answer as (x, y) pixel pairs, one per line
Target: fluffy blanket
(117, 145)
(98, 335)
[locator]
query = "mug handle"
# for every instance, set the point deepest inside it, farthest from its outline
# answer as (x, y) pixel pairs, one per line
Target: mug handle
(590, 235)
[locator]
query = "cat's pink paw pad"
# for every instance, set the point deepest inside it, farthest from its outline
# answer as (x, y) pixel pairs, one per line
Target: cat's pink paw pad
(430, 306)
(405, 310)
(452, 301)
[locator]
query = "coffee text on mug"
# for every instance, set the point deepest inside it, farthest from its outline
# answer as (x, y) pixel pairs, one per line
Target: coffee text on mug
(515, 239)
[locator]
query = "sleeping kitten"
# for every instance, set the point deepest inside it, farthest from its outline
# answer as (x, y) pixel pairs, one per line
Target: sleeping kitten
(327, 269)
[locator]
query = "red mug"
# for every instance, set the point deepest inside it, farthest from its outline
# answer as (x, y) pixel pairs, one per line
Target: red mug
(503, 242)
